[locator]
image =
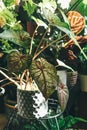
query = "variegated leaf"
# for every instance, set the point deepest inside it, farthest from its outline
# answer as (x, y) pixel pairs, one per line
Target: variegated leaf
(17, 62)
(45, 75)
(63, 95)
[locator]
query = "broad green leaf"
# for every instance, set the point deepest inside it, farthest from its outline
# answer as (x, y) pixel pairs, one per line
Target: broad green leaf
(20, 38)
(54, 20)
(17, 62)
(29, 7)
(45, 76)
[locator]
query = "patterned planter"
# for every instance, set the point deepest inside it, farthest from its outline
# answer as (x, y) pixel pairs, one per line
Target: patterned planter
(31, 104)
(72, 78)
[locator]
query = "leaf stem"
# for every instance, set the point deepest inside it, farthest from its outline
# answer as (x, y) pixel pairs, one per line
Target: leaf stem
(13, 81)
(58, 39)
(41, 40)
(31, 44)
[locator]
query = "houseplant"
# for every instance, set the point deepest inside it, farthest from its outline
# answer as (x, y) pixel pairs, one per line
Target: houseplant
(27, 50)
(22, 58)
(18, 55)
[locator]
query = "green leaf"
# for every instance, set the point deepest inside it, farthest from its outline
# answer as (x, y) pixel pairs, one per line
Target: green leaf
(39, 22)
(29, 7)
(45, 76)
(54, 20)
(9, 2)
(64, 17)
(80, 119)
(17, 62)
(20, 38)
(69, 121)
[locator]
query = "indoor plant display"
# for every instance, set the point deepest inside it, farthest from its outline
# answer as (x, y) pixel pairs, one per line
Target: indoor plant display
(24, 49)
(31, 52)
(23, 55)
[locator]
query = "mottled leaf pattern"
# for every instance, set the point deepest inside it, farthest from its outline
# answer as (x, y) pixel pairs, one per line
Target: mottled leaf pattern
(20, 38)
(45, 75)
(17, 62)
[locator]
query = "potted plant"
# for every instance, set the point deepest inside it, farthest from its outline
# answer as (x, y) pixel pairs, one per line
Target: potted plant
(29, 51)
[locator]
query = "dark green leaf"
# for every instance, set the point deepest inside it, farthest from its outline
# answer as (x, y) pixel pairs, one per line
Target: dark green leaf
(20, 38)
(29, 7)
(45, 76)
(18, 62)
(69, 121)
(64, 17)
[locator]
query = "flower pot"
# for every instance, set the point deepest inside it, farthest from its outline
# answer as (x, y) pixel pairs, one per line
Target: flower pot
(72, 78)
(83, 82)
(31, 104)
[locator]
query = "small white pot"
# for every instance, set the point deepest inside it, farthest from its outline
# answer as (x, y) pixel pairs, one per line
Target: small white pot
(83, 82)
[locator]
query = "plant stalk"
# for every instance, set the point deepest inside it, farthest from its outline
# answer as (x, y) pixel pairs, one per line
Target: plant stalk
(13, 81)
(31, 45)
(58, 39)
(41, 40)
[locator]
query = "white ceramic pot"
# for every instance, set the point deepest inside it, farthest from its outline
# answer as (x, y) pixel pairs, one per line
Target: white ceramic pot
(83, 82)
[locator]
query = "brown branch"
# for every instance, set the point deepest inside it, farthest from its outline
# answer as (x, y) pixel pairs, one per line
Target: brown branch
(10, 79)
